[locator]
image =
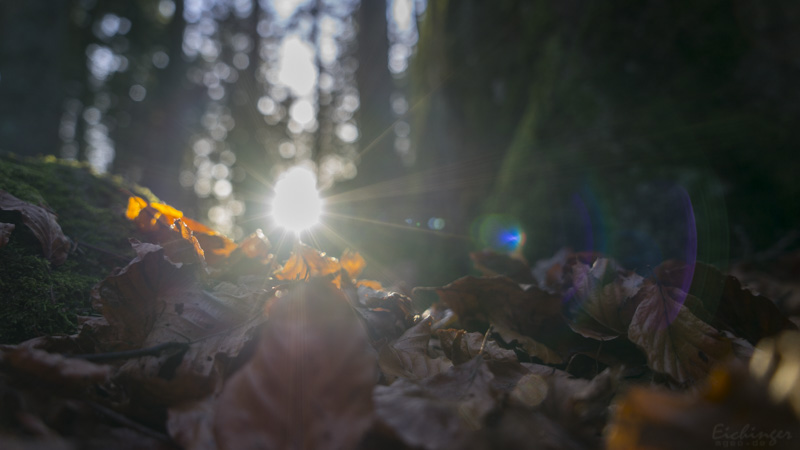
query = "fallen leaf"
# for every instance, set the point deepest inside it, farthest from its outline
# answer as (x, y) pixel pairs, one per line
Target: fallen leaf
(601, 301)
(461, 347)
(677, 344)
(352, 263)
(309, 383)
(5, 232)
(512, 311)
(750, 316)
(160, 219)
(386, 314)
(731, 410)
(441, 411)
(307, 262)
(43, 224)
(154, 301)
(407, 357)
(531, 346)
(256, 247)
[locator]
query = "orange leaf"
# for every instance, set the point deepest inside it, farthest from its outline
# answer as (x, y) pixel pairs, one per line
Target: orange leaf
(372, 284)
(168, 211)
(353, 263)
(307, 262)
(135, 205)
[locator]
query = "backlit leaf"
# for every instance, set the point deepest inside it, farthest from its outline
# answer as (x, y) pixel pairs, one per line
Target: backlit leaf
(307, 262)
(353, 263)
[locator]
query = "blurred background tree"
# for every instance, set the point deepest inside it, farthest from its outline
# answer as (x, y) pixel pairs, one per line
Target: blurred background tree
(642, 130)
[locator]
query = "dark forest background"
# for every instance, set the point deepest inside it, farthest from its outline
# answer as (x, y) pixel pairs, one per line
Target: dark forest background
(644, 130)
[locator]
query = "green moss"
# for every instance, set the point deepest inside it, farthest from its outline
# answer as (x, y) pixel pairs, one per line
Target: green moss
(36, 297)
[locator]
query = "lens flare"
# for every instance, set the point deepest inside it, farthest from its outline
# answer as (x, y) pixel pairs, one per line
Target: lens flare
(499, 232)
(296, 205)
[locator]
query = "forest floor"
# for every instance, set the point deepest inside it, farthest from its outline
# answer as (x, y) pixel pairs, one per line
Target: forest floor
(126, 324)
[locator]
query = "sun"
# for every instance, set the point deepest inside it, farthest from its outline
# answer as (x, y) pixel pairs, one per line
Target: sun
(296, 205)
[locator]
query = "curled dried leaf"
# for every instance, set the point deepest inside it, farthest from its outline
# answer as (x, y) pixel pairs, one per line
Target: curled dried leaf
(43, 224)
(461, 346)
(353, 263)
(163, 222)
(602, 299)
(408, 357)
(307, 262)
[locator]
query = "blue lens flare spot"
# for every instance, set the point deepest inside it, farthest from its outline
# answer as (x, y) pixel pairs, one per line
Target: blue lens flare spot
(499, 232)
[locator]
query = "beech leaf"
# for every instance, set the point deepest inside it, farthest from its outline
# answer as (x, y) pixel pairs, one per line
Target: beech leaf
(602, 299)
(513, 311)
(154, 301)
(309, 383)
(307, 262)
(407, 357)
(750, 316)
(353, 263)
(43, 224)
(441, 411)
(461, 347)
(679, 345)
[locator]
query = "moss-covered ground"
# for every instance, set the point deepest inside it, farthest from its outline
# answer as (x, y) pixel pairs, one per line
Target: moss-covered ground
(37, 298)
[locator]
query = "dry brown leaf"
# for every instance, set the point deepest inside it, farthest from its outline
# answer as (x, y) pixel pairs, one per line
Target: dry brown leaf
(441, 411)
(154, 301)
(673, 339)
(407, 357)
(750, 316)
(513, 311)
(5, 232)
(461, 347)
(601, 301)
(43, 224)
(309, 383)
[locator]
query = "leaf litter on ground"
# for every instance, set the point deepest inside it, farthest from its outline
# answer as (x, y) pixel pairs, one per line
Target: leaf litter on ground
(202, 343)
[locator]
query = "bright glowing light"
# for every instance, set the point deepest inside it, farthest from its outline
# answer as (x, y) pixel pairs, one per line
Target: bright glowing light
(297, 205)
